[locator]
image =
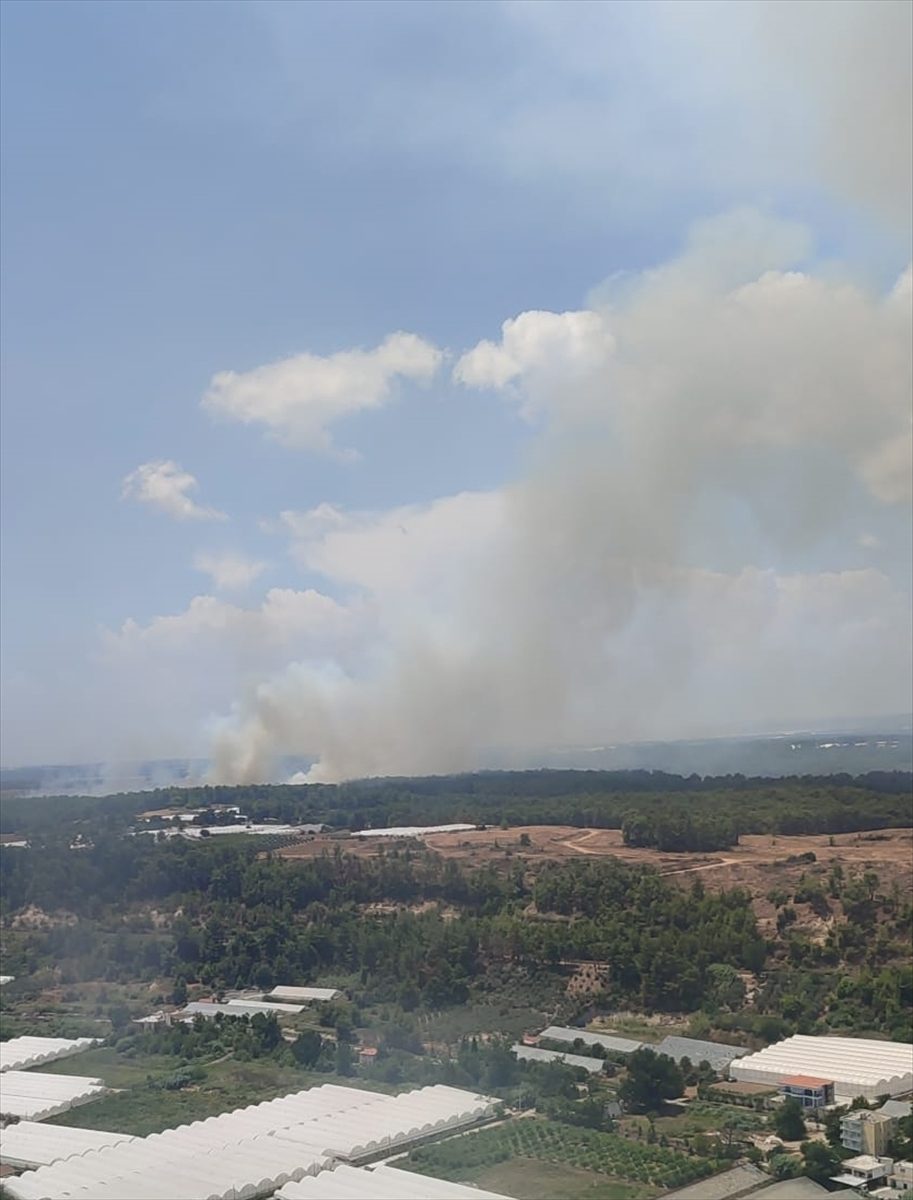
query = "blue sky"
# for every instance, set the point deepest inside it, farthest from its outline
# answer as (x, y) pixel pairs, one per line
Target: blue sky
(198, 188)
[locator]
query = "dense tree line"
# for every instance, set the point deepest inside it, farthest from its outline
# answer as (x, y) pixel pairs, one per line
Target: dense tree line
(675, 829)
(603, 799)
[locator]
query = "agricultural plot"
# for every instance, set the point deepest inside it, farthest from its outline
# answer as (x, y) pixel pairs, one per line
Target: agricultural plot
(553, 1142)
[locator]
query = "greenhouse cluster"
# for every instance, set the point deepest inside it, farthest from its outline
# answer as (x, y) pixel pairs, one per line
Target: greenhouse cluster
(29, 1144)
(252, 1151)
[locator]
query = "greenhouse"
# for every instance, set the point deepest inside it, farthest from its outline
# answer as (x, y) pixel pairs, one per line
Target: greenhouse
(381, 1183)
(35, 1096)
(857, 1066)
(609, 1043)
(534, 1054)
(21, 1052)
(252, 1151)
(30, 1144)
(304, 995)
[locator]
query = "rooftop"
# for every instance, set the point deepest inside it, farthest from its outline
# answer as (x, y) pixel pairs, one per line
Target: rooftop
(809, 1081)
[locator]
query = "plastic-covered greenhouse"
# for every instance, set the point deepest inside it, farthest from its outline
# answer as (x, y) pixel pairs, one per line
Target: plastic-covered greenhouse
(21, 1052)
(857, 1066)
(252, 1151)
(381, 1183)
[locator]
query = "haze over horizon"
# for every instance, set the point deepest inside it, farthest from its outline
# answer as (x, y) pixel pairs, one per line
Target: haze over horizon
(385, 381)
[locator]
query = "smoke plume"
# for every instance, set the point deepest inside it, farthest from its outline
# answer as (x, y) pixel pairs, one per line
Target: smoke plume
(703, 433)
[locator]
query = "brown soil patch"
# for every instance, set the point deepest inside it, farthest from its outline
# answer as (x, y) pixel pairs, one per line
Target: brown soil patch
(759, 863)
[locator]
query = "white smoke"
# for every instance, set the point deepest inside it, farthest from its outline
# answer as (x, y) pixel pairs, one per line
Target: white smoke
(702, 425)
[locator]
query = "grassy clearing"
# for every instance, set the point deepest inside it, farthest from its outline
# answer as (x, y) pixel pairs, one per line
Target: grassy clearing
(629, 1025)
(144, 1108)
(532, 1179)
(116, 1070)
(560, 1145)
(452, 1024)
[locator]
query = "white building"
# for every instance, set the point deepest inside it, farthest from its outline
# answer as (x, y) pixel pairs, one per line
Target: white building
(864, 1171)
(857, 1066)
(304, 995)
(901, 1178)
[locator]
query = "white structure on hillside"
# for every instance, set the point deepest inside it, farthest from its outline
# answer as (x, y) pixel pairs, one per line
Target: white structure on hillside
(857, 1066)
(29, 1144)
(536, 1054)
(304, 995)
(256, 1150)
(412, 831)
(21, 1052)
(379, 1183)
(36, 1095)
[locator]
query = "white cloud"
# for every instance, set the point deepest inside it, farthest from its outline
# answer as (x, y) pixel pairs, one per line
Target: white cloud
(229, 572)
(538, 348)
(164, 485)
(298, 399)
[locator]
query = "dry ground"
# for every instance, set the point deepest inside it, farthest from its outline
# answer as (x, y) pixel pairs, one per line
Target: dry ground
(759, 863)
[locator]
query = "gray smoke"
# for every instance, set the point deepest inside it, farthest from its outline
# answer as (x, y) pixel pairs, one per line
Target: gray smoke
(703, 429)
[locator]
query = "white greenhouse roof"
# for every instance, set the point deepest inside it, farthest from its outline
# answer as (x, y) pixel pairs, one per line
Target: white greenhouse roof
(535, 1054)
(564, 1033)
(32, 1144)
(379, 1183)
(405, 831)
(255, 1150)
(267, 1006)
(304, 993)
(21, 1052)
(6, 979)
(35, 1096)
(858, 1066)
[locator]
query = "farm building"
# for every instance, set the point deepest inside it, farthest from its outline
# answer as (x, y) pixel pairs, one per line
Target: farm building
(716, 1053)
(536, 1054)
(254, 1151)
(857, 1066)
(21, 1052)
(304, 995)
(6, 979)
(609, 1043)
(30, 1144)
(36, 1095)
(381, 1183)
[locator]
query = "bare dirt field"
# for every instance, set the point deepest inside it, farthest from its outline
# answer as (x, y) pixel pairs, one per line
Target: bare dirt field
(759, 863)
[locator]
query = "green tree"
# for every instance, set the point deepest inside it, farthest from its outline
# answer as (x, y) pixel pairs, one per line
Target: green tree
(819, 1161)
(306, 1048)
(651, 1079)
(788, 1122)
(343, 1058)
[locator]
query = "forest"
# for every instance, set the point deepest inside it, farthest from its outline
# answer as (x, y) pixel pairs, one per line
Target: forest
(224, 914)
(731, 804)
